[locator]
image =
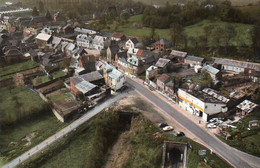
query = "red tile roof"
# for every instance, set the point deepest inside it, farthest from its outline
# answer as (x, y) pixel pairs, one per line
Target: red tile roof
(163, 78)
(118, 35)
(140, 52)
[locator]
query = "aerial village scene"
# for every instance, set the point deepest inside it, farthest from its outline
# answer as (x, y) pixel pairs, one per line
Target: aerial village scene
(130, 84)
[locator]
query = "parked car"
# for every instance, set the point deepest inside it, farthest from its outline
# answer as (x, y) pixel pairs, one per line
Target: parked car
(161, 125)
(211, 125)
(168, 128)
(179, 134)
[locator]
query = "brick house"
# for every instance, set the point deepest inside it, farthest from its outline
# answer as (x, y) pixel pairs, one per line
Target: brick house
(162, 45)
(87, 62)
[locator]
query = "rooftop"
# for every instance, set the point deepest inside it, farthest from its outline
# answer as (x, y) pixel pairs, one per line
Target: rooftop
(163, 78)
(162, 62)
(235, 63)
(210, 69)
(214, 94)
(43, 36)
(247, 106)
(179, 53)
(194, 58)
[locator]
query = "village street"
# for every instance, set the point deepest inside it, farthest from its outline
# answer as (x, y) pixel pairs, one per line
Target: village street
(107, 103)
(234, 157)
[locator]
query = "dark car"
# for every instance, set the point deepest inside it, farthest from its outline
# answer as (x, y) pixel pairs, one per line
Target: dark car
(179, 134)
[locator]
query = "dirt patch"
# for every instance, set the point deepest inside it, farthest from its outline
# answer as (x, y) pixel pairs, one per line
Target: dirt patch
(118, 156)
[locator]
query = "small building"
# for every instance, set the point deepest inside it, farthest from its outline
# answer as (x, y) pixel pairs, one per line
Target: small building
(161, 82)
(249, 69)
(246, 107)
(43, 39)
(84, 40)
(151, 72)
(121, 61)
(200, 104)
(253, 123)
(163, 64)
(213, 72)
(99, 42)
(114, 78)
(131, 43)
(13, 56)
(193, 60)
(88, 62)
(179, 55)
(68, 29)
(162, 45)
(85, 31)
(93, 51)
(118, 37)
(111, 53)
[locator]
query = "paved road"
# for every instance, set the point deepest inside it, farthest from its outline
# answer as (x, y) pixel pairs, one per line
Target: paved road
(234, 157)
(65, 131)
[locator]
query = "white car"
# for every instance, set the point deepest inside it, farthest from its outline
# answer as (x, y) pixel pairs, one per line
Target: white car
(212, 125)
(167, 128)
(213, 120)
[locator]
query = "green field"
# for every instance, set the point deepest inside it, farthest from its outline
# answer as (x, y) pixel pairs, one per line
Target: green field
(18, 102)
(10, 70)
(243, 37)
(90, 148)
(11, 143)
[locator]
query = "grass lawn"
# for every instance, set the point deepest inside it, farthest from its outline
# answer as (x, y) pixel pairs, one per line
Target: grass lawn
(40, 80)
(243, 31)
(58, 74)
(61, 96)
(11, 143)
(18, 102)
(253, 11)
(17, 67)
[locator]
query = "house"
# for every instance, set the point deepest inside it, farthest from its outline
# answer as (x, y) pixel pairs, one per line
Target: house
(84, 40)
(249, 69)
(253, 123)
(193, 60)
(87, 62)
(161, 81)
(179, 55)
(200, 104)
(163, 64)
(121, 61)
(43, 39)
(95, 52)
(213, 72)
(118, 37)
(13, 55)
(111, 52)
(138, 63)
(162, 45)
(114, 78)
(85, 31)
(81, 86)
(58, 17)
(246, 107)
(99, 42)
(151, 72)
(131, 43)
(68, 29)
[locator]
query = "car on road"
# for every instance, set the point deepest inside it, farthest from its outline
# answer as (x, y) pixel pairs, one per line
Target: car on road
(167, 128)
(161, 125)
(179, 134)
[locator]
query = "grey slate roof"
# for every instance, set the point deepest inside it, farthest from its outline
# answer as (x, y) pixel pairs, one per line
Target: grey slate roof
(90, 77)
(235, 63)
(134, 40)
(210, 69)
(179, 53)
(162, 62)
(194, 58)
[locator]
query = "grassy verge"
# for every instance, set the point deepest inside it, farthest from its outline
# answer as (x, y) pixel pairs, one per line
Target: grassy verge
(40, 80)
(12, 143)
(86, 147)
(17, 103)
(61, 96)
(244, 139)
(17, 67)
(58, 74)
(89, 146)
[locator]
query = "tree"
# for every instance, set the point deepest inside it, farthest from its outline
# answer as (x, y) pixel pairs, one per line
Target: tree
(176, 34)
(124, 16)
(35, 12)
(255, 34)
(41, 7)
(207, 31)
